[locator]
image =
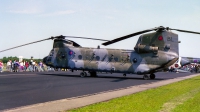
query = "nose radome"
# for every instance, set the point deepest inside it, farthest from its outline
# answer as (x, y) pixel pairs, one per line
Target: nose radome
(45, 60)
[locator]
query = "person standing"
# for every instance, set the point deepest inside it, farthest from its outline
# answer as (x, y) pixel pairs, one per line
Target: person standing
(1, 66)
(8, 65)
(41, 66)
(21, 66)
(26, 65)
(33, 64)
(16, 66)
(12, 66)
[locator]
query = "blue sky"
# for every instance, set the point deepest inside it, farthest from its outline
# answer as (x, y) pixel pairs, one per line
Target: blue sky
(24, 21)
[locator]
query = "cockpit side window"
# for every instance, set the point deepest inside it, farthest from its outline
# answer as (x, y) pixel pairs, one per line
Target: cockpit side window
(61, 43)
(51, 53)
(58, 44)
(49, 59)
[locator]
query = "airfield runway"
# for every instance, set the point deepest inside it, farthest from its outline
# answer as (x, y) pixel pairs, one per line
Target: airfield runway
(27, 88)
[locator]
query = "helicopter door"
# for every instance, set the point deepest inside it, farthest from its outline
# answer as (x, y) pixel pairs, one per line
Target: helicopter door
(61, 58)
(125, 58)
(91, 59)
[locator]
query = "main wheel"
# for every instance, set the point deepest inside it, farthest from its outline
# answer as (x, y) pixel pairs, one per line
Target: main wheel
(83, 74)
(124, 75)
(145, 77)
(152, 76)
(93, 74)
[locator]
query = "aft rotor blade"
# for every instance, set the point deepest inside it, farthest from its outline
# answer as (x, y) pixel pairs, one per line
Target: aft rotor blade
(128, 36)
(25, 44)
(186, 31)
(86, 38)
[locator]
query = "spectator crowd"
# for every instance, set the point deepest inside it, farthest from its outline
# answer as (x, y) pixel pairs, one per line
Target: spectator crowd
(17, 66)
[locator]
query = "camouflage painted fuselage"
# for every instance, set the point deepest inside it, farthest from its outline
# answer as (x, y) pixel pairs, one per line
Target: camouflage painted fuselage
(153, 52)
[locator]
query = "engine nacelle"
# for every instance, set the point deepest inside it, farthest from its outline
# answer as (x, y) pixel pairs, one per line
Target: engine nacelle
(145, 49)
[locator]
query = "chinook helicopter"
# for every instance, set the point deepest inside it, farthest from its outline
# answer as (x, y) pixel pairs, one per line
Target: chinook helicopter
(152, 53)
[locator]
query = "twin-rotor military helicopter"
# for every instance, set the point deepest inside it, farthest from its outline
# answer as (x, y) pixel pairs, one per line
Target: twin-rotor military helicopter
(153, 52)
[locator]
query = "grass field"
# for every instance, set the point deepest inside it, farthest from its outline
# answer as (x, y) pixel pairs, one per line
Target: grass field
(183, 96)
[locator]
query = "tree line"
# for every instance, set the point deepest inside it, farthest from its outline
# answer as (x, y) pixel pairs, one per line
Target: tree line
(6, 59)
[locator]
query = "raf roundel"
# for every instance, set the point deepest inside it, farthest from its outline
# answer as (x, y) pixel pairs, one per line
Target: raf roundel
(160, 38)
(70, 52)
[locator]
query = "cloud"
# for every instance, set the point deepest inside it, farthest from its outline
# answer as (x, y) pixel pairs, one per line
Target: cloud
(66, 12)
(110, 17)
(25, 11)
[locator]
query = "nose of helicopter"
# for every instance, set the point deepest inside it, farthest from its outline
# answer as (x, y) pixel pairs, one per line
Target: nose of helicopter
(45, 60)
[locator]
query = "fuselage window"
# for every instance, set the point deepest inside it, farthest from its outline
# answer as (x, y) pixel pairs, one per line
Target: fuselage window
(49, 59)
(63, 56)
(134, 60)
(116, 59)
(97, 58)
(80, 57)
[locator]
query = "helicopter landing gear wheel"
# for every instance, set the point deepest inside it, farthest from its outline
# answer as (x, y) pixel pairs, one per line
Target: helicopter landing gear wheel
(152, 76)
(145, 77)
(124, 75)
(93, 74)
(83, 74)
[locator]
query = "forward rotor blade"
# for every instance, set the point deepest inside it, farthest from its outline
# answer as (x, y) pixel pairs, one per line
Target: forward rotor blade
(186, 31)
(25, 44)
(128, 36)
(86, 38)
